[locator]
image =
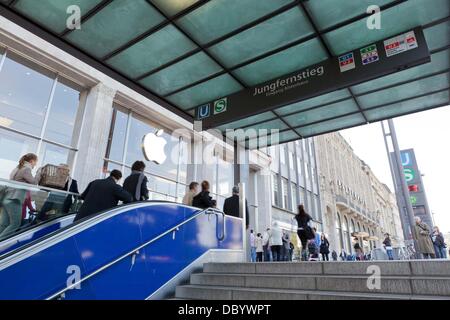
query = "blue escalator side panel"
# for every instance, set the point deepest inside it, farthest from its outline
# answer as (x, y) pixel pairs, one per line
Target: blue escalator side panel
(41, 274)
(33, 235)
(131, 278)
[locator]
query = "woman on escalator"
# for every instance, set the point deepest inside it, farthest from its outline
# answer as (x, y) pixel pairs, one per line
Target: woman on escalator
(13, 199)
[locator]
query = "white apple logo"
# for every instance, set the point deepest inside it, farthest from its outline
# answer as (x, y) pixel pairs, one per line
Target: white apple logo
(153, 147)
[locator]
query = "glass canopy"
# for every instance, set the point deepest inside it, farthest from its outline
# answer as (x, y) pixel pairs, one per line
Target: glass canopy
(188, 52)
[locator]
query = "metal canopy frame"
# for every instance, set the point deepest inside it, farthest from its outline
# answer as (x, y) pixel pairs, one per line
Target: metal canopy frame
(7, 9)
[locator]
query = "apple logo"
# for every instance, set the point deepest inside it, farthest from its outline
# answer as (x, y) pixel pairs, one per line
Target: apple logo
(153, 147)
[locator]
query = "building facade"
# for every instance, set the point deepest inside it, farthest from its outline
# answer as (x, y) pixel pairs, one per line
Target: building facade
(356, 206)
(57, 106)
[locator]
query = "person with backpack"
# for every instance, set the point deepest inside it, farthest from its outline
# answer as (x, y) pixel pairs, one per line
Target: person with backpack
(324, 247)
(136, 183)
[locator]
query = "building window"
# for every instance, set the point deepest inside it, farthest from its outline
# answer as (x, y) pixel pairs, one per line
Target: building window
(338, 225)
(285, 194)
(167, 181)
(346, 235)
(294, 197)
(275, 190)
(38, 114)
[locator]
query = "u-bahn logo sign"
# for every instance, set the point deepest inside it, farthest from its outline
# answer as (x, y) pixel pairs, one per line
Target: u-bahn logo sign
(354, 67)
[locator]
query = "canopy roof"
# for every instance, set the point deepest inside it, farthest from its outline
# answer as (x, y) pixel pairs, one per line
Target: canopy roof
(183, 53)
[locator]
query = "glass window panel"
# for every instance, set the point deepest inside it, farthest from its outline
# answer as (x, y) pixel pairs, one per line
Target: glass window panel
(405, 91)
(438, 36)
(400, 18)
(285, 62)
(332, 125)
(189, 70)
(324, 113)
(63, 113)
(271, 34)
(215, 88)
(317, 101)
(225, 173)
(24, 95)
(51, 154)
(439, 61)
(409, 106)
(275, 139)
(138, 129)
(247, 121)
(217, 18)
(172, 7)
(152, 52)
(12, 147)
(53, 14)
(168, 168)
(115, 25)
(329, 13)
(117, 143)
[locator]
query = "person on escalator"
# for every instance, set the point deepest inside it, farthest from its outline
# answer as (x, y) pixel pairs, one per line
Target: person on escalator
(13, 198)
(136, 182)
(203, 200)
(231, 206)
(103, 194)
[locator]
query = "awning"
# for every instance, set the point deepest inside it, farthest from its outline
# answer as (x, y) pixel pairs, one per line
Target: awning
(184, 54)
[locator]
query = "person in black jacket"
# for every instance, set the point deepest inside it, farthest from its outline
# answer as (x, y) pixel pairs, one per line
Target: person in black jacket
(103, 194)
(203, 200)
(136, 183)
(231, 206)
(324, 247)
(304, 231)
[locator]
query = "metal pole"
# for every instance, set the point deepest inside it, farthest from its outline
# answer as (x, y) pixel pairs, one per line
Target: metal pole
(403, 183)
(243, 214)
(400, 198)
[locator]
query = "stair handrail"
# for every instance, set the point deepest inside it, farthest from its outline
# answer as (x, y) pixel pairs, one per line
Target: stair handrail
(135, 251)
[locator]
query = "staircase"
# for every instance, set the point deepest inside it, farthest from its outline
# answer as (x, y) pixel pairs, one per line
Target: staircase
(320, 280)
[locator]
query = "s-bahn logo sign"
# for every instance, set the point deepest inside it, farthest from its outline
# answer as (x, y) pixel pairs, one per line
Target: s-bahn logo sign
(220, 105)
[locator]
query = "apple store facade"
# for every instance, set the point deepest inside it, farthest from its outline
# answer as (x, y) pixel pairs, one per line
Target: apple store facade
(65, 111)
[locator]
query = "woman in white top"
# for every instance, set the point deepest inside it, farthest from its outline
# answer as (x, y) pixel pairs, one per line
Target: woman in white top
(275, 242)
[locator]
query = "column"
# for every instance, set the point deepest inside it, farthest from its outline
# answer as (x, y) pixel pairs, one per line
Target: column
(94, 135)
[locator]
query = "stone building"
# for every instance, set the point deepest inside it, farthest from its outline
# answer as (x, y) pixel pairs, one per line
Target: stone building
(356, 206)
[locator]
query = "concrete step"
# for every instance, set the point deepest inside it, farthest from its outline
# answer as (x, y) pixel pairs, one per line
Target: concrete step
(406, 285)
(200, 292)
(387, 268)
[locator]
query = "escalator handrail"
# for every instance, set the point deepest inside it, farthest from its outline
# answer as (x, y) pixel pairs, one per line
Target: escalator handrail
(137, 249)
(85, 222)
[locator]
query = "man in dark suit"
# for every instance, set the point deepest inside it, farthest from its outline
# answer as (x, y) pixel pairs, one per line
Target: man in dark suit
(103, 194)
(231, 206)
(136, 183)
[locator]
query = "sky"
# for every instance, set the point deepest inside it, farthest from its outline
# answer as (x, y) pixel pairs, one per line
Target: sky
(428, 133)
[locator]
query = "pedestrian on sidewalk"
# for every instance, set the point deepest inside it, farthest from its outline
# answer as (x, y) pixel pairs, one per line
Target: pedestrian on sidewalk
(275, 241)
(259, 248)
(439, 243)
(423, 236)
(304, 231)
(324, 247)
(252, 246)
(266, 246)
(387, 243)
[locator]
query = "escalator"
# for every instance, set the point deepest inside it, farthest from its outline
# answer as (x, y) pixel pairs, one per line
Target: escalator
(32, 233)
(130, 252)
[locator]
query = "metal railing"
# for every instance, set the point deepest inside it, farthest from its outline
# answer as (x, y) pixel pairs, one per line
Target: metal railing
(136, 251)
